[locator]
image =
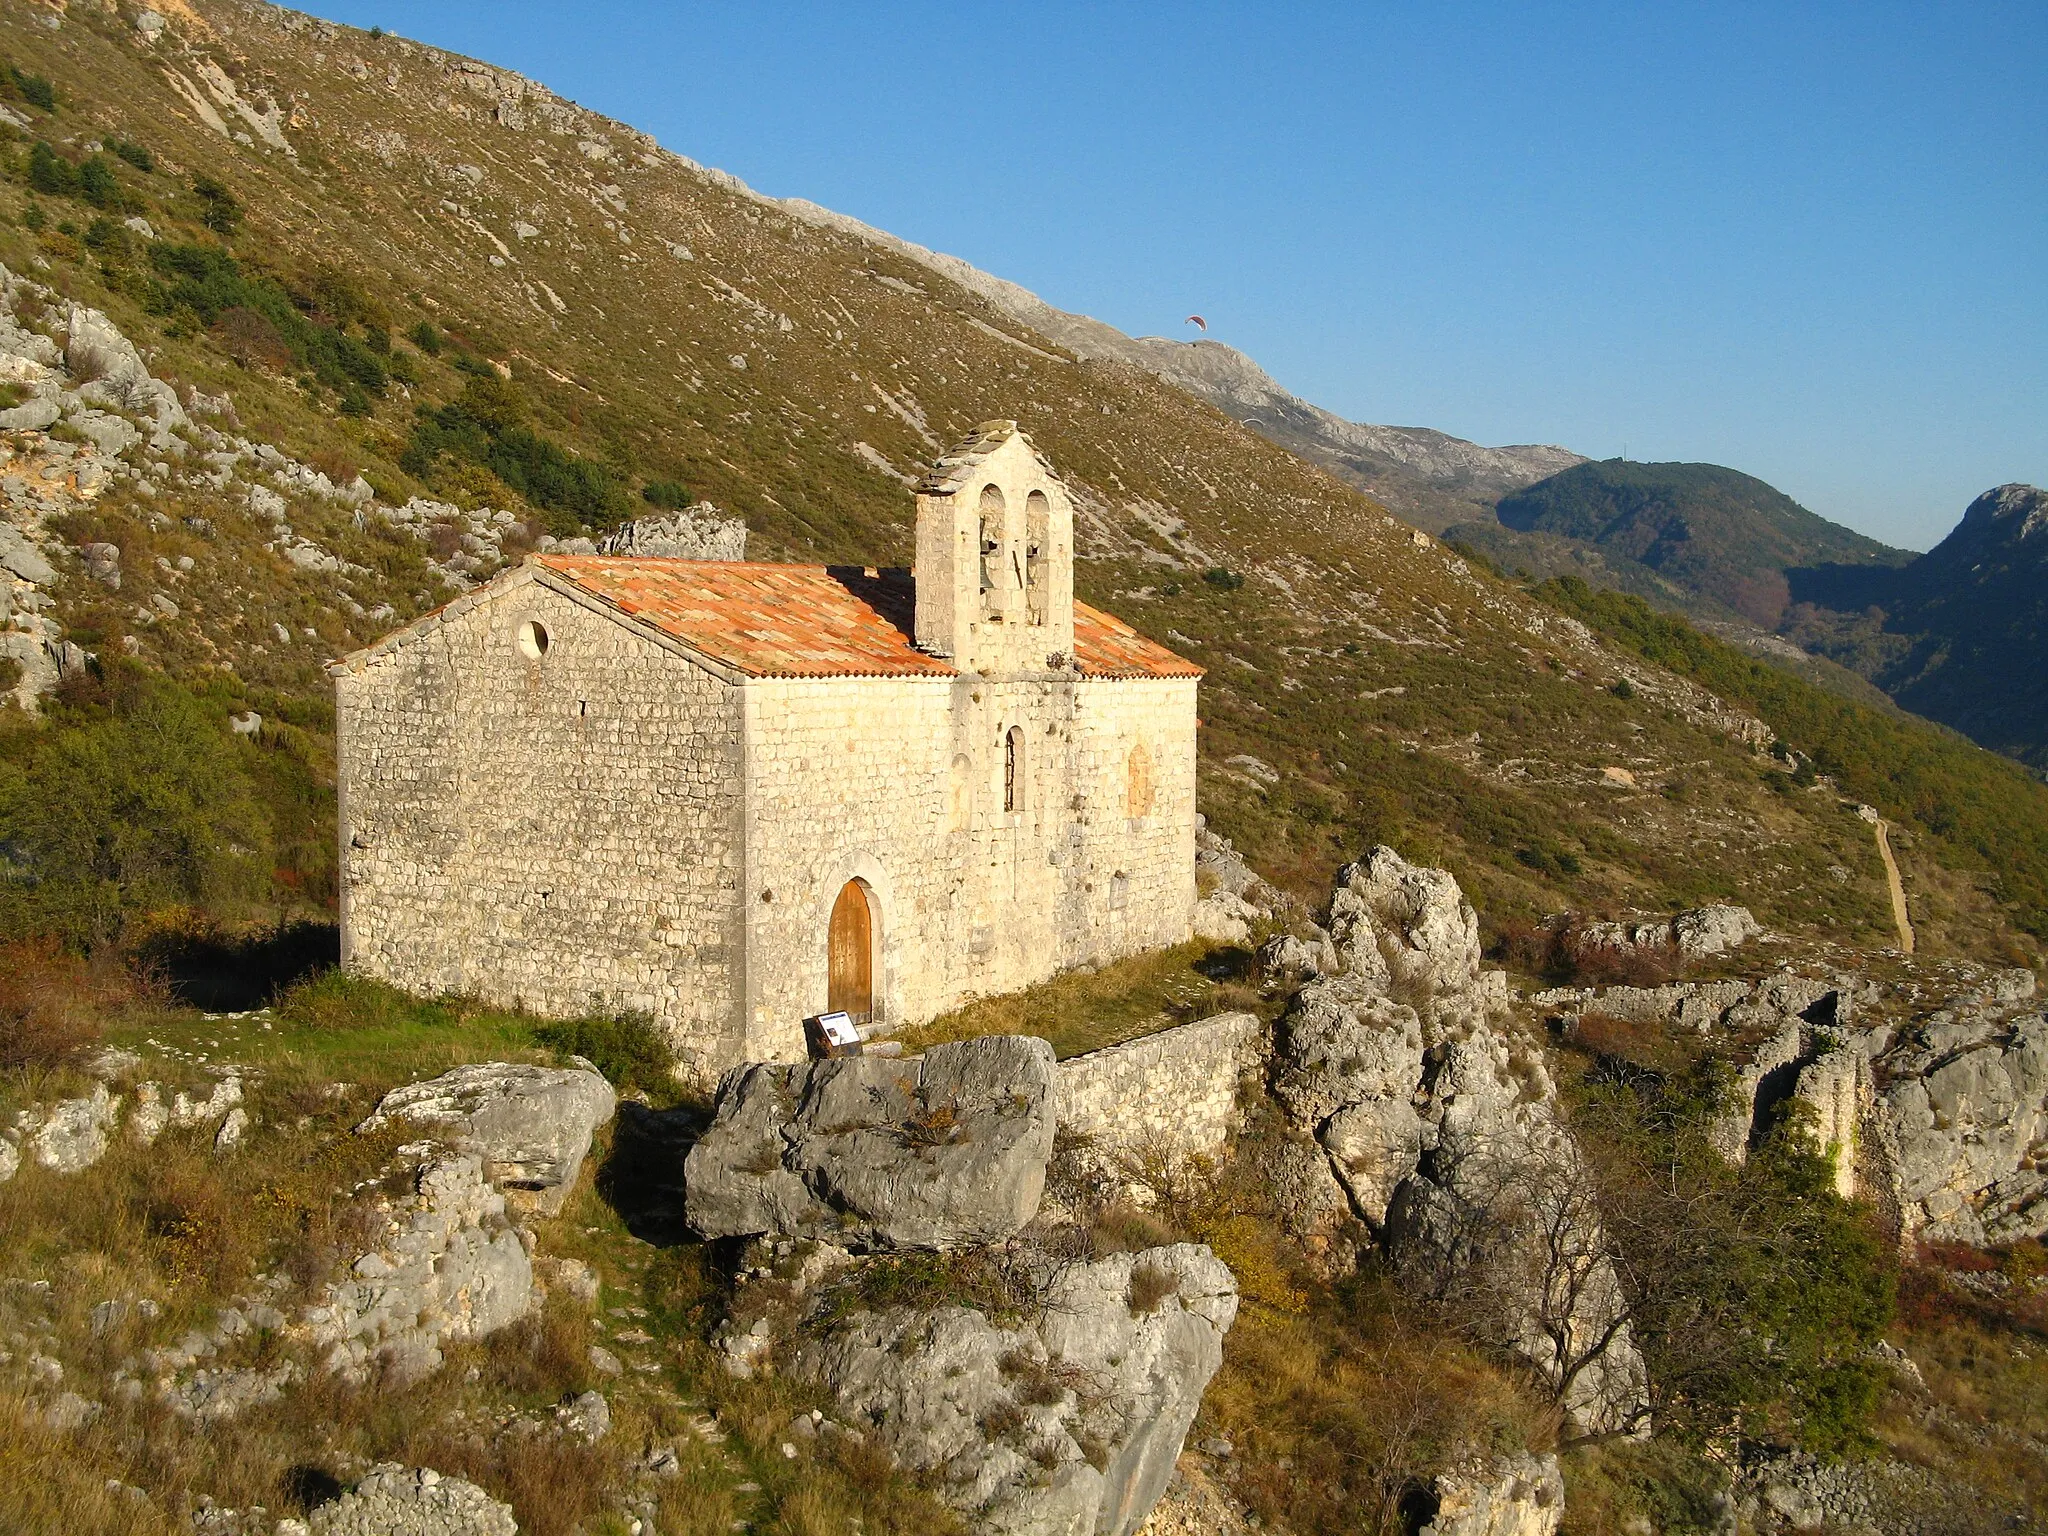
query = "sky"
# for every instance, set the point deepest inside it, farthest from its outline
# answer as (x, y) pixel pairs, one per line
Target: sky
(1806, 241)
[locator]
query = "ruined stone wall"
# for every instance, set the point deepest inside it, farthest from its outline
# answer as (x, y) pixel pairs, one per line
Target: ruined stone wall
(899, 783)
(1173, 1094)
(561, 832)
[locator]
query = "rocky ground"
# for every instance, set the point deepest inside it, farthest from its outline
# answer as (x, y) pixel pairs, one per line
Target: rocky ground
(890, 1268)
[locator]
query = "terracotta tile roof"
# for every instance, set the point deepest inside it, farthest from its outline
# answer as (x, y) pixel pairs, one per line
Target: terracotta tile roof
(771, 620)
(1108, 647)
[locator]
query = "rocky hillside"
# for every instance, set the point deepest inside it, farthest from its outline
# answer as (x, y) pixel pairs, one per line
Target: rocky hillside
(1429, 478)
(429, 315)
(1957, 634)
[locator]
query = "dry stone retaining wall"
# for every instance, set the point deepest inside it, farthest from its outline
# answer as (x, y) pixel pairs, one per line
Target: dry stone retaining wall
(1173, 1093)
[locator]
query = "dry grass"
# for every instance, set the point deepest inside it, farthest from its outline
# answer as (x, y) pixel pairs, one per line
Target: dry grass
(51, 1004)
(1087, 1010)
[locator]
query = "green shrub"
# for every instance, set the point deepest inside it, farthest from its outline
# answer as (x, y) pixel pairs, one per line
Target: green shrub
(133, 153)
(426, 338)
(338, 1000)
(1757, 1292)
(486, 426)
(98, 185)
(219, 210)
(36, 90)
(630, 1049)
(208, 284)
(665, 493)
(129, 799)
(49, 172)
(1228, 581)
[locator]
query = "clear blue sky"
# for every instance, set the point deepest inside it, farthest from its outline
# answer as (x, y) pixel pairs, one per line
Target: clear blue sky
(1808, 241)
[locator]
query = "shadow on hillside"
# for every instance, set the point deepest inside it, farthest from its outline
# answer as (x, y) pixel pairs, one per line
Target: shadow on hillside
(642, 1176)
(234, 972)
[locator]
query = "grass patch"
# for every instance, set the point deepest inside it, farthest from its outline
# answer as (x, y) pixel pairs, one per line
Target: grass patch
(1087, 1010)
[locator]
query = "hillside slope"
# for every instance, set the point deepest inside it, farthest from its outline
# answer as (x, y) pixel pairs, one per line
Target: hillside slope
(1429, 478)
(538, 281)
(1960, 635)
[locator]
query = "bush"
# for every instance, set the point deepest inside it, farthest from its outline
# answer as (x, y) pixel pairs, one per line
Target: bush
(131, 799)
(36, 90)
(207, 283)
(219, 210)
(665, 493)
(133, 153)
(47, 1013)
(49, 172)
(630, 1049)
(1228, 581)
(338, 1000)
(1757, 1292)
(98, 185)
(426, 338)
(486, 426)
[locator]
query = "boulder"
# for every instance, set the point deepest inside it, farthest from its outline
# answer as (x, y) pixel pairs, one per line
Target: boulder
(113, 373)
(23, 559)
(1712, 931)
(1963, 1111)
(1067, 1424)
(1410, 930)
(1222, 918)
(447, 1265)
(1441, 1136)
(697, 532)
(72, 1134)
(413, 1501)
(1499, 1496)
(530, 1125)
(933, 1151)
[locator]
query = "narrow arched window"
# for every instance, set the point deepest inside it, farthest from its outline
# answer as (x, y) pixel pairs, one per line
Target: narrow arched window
(1013, 769)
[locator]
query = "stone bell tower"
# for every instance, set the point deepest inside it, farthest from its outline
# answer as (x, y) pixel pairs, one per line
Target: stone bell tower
(995, 557)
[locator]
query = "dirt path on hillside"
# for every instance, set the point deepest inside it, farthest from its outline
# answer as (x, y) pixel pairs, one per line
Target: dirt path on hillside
(1891, 876)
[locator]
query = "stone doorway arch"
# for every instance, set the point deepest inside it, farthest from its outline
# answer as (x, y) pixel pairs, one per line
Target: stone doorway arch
(851, 943)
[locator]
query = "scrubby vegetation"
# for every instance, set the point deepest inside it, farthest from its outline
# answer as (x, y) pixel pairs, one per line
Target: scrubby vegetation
(1986, 812)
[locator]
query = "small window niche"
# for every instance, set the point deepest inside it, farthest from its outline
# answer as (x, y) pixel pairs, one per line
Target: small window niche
(1119, 891)
(1038, 556)
(533, 639)
(1139, 790)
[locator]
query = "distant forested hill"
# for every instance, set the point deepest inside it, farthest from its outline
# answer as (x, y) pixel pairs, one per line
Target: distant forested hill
(1699, 531)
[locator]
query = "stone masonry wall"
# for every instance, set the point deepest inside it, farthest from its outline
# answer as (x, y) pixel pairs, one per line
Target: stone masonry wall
(1170, 1094)
(898, 782)
(560, 832)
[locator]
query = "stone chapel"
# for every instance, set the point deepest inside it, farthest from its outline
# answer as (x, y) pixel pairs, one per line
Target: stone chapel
(733, 794)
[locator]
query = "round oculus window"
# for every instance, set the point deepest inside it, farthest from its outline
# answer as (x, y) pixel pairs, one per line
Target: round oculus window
(533, 639)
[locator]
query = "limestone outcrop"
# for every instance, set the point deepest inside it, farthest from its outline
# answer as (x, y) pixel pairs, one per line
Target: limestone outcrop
(530, 1125)
(448, 1265)
(1695, 935)
(696, 532)
(1441, 1140)
(1067, 1424)
(1963, 1112)
(931, 1151)
(1499, 1496)
(70, 1135)
(413, 1501)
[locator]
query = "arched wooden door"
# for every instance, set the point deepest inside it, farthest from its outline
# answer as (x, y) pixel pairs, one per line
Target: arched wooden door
(850, 948)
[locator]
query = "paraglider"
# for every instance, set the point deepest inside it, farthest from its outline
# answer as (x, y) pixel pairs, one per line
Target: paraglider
(1196, 320)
